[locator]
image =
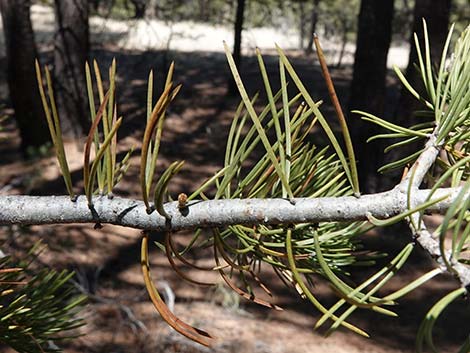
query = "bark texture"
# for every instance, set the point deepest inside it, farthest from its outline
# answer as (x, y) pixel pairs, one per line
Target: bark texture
(213, 213)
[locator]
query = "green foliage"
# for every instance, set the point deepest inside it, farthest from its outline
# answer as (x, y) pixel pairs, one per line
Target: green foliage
(53, 123)
(425, 337)
(151, 144)
(290, 167)
(269, 154)
(337, 16)
(446, 98)
(103, 171)
(38, 309)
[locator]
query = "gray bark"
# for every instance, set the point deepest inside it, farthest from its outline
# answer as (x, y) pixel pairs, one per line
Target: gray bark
(132, 213)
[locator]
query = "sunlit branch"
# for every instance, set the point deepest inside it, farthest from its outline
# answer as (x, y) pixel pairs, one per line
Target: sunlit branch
(29, 210)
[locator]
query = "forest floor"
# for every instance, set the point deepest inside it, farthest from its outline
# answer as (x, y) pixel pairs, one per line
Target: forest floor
(120, 317)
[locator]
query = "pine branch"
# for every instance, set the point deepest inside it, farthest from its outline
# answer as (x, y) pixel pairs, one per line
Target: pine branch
(426, 159)
(29, 210)
(411, 182)
(314, 180)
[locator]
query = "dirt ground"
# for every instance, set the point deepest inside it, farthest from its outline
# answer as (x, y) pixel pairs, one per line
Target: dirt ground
(120, 317)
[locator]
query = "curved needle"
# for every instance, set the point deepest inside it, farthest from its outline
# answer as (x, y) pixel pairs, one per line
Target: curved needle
(183, 328)
(240, 291)
(169, 251)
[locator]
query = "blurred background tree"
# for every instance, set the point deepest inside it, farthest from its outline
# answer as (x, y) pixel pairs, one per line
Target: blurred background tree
(367, 92)
(21, 53)
(338, 20)
(71, 48)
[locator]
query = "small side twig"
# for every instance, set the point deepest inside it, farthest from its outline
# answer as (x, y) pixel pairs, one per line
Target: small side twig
(425, 239)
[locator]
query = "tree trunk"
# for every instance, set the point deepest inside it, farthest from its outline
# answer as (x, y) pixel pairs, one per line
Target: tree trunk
(302, 21)
(140, 6)
(21, 77)
(70, 53)
(436, 13)
(313, 26)
(368, 84)
(344, 42)
(237, 43)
